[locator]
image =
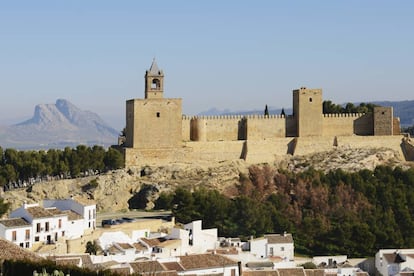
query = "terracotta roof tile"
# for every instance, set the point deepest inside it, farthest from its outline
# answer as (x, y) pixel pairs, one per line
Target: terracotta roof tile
(291, 271)
(314, 272)
(14, 222)
(172, 266)
(86, 259)
(10, 251)
(204, 260)
(125, 245)
(146, 267)
(260, 273)
(276, 238)
(139, 247)
(151, 242)
(72, 215)
(40, 212)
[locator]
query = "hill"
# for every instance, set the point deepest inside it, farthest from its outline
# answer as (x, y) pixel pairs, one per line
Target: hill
(57, 126)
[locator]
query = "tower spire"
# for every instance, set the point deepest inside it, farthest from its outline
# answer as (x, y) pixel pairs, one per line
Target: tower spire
(154, 81)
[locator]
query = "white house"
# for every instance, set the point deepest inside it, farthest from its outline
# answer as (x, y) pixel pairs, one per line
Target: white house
(394, 261)
(17, 230)
(85, 208)
(195, 239)
(56, 219)
(48, 224)
(273, 245)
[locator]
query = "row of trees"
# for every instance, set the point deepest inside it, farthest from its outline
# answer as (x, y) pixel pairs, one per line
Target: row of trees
(71, 162)
(328, 108)
(335, 213)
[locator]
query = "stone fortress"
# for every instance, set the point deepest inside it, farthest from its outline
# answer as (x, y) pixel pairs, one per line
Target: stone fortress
(158, 133)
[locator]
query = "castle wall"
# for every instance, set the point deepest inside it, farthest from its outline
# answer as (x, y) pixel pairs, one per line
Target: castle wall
(217, 128)
(389, 141)
(347, 124)
(257, 151)
(267, 151)
(192, 152)
(260, 127)
(308, 145)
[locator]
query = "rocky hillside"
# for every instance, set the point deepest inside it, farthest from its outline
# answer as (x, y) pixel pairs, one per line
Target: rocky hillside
(56, 126)
(139, 188)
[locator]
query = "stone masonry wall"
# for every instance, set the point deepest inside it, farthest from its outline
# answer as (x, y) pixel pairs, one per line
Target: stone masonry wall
(263, 151)
(383, 121)
(347, 124)
(262, 127)
(217, 128)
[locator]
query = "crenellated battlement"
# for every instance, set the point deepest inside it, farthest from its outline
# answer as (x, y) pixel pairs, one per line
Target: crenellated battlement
(232, 117)
(342, 115)
(265, 117)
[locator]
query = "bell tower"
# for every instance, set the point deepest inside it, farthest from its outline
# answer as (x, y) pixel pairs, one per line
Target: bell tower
(154, 82)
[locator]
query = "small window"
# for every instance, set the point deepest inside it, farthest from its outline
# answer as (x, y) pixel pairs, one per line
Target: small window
(37, 239)
(27, 234)
(14, 236)
(37, 227)
(310, 100)
(155, 84)
(47, 226)
(21, 245)
(282, 249)
(158, 114)
(27, 244)
(383, 113)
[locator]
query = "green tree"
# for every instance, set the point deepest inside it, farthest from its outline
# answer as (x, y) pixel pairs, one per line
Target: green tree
(113, 159)
(92, 248)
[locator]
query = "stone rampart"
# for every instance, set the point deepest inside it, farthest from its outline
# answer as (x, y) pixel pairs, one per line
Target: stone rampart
(339, 124)
(347, 124)
(267, 151)
(217, 128)
(265, 127)
(259, 151)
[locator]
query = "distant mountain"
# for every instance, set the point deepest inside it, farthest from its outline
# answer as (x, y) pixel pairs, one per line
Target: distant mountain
(402, 109)
(56, 126)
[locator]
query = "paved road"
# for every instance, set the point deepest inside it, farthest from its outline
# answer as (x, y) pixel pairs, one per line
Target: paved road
(130, 214)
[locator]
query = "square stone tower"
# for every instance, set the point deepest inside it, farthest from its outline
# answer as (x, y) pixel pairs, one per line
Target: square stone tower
(383, 120)
(307, 111)
(153, 122)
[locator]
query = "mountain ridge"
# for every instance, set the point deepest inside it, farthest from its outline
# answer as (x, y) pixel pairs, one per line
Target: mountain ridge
(56, 126)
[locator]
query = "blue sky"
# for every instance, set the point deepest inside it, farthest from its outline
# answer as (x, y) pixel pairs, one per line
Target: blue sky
(225, 54)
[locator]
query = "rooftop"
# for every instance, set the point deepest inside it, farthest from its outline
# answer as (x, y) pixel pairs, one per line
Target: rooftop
(72, 215)
(146, 266)
(40, 212)
(204, 260)
(10, 251)
(14, 222)
(276, 238)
